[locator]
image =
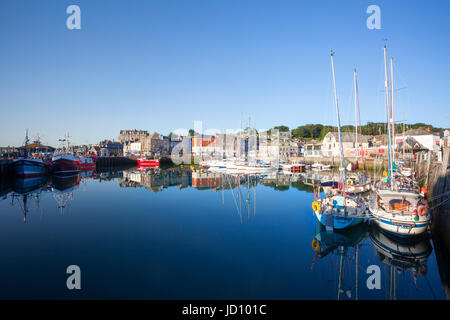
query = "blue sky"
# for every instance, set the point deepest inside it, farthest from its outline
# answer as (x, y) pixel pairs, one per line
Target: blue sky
(159, 65)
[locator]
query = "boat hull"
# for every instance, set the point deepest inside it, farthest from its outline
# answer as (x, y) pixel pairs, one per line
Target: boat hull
(148, 163)
(64, 166)
(338, 222)
(26, 168)
(399, 225)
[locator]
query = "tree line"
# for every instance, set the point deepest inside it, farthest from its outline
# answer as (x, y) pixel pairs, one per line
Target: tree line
(318, 131)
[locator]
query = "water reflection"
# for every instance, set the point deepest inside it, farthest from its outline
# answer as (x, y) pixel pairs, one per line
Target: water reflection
(402, 256)
(184, 208)
(62, 189)
(26, 190)
(345, 245)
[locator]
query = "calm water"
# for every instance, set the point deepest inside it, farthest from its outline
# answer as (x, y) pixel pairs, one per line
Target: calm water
(183, 235)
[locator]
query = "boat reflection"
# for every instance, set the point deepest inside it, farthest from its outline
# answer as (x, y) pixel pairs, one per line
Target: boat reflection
(62, 189)
(344, 244)
(28, 189)
(401, 255)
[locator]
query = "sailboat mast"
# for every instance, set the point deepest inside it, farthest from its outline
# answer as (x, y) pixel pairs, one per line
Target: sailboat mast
(386, 85)
(392, 114)
(356, 115)
(337, 114)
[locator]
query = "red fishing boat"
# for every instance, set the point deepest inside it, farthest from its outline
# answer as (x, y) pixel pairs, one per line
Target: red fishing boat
(63, 161)
(87, 163)
(143, 161)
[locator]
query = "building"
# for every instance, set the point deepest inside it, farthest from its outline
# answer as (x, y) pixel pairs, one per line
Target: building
(126, 136)
(156, 144)
(132, 149)
(428, 140)
(114, 148)
(312, 149)
(331, 146)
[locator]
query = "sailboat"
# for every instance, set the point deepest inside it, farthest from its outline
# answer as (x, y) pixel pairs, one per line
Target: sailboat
(398, 206)
(340, 210)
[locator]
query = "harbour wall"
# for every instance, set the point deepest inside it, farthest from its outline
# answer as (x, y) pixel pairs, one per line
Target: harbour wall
(6, 168)
(438, 184)
(108, 162)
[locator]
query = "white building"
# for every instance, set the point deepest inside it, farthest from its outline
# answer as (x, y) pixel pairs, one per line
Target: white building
(331, 147)
(133, 148)
(427, 139)
(312, 150)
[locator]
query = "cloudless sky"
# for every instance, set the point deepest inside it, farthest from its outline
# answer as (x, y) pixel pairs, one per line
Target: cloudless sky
(158, 65)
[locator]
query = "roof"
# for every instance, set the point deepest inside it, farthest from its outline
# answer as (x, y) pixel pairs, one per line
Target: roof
(349, 137)
(411, 143)
(36, 146)
(417, 132)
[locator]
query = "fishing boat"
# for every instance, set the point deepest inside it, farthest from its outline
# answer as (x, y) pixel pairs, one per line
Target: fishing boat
(339, 210)
(87, 162)
(398, 207)
(30, 167)
(63, 161)
(145, 161)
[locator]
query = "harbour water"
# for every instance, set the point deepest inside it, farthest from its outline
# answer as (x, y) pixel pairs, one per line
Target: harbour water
(177, 234)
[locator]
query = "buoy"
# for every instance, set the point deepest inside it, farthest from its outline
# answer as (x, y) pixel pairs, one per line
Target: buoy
(416, 218)
(316, 206)
(424, 190)
(349, 182)
(385, 174)
(315, 244)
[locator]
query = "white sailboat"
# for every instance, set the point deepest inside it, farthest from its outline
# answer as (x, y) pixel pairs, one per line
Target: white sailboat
(340, 210)
(398, 206)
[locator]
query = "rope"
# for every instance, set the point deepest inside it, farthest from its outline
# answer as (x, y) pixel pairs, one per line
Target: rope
(439, 196)
(440, 204)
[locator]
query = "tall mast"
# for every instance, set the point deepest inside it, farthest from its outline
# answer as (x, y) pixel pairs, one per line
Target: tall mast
(337, 114)
(356, 114)
(392, 114)
(403, 135)
(386, 85)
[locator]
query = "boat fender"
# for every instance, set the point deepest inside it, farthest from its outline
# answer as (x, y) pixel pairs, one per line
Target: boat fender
(316, 206)
(422, 210)
(315, 244)
(423, 270)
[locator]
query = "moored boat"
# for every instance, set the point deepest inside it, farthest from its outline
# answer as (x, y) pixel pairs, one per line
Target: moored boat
(87, 163)
(403, 213)
(30, 167)
(398, 206)
(63, 161)
(146, 162)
